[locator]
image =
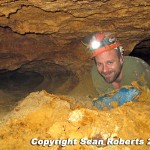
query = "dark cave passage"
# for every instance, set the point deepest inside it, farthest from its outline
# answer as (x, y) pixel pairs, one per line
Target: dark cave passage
(16, 85)
(13, 81)
(25, 80)
(142, 50)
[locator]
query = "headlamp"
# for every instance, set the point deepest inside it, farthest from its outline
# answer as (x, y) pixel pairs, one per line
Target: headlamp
(100, 42)
(95, 44)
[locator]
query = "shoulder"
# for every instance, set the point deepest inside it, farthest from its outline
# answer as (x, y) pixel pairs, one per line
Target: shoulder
(136, 69)
(135, 62)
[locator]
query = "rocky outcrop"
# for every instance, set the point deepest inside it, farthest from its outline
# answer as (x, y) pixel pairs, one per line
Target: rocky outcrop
(65, 21)
(44, 36)
(43, 116)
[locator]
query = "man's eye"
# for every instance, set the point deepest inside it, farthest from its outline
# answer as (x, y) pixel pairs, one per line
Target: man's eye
(98, 64)
(109, 62)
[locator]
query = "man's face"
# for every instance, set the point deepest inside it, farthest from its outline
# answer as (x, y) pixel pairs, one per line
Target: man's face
(109, 65)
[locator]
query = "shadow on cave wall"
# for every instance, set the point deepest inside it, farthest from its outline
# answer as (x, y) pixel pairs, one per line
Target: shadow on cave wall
(142, 50)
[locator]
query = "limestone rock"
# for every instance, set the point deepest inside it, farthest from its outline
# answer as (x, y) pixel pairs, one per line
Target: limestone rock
(53, 118)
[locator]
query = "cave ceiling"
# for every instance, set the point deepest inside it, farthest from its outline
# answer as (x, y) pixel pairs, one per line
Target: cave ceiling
(67, 22)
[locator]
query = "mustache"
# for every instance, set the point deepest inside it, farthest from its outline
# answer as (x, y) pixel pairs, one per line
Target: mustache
(106, 73)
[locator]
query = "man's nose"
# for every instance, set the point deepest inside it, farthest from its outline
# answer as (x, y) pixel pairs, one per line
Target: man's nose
(105, 68)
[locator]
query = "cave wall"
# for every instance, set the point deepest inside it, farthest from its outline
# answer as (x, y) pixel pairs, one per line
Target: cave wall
(52, 30)
(37, 52)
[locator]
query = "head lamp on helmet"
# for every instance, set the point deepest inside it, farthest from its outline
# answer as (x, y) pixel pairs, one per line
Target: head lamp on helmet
(101, 42)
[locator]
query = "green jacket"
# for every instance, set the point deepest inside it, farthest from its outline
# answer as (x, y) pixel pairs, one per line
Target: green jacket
(133, 70)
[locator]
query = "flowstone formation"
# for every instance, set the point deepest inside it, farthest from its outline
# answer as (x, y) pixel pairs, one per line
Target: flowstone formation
(45, 121)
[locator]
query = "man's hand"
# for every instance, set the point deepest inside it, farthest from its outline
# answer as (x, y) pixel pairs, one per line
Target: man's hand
(118, 98)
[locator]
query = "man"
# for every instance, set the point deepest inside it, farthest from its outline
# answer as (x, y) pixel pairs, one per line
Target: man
(111, 69)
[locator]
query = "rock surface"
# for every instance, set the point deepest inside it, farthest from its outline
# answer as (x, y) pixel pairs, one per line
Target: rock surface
(45, 116)
(45, 35)
(64, 24)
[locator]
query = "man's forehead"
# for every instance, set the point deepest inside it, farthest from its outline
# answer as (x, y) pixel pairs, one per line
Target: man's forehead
(108, 54)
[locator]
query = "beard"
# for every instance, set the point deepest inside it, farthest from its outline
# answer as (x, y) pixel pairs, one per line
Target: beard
(111, 76)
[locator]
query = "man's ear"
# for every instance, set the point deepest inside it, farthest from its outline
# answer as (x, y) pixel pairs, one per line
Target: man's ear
(94, 60)
(122, 58)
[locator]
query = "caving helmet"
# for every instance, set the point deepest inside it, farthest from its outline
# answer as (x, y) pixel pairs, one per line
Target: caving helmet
(100, 42)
